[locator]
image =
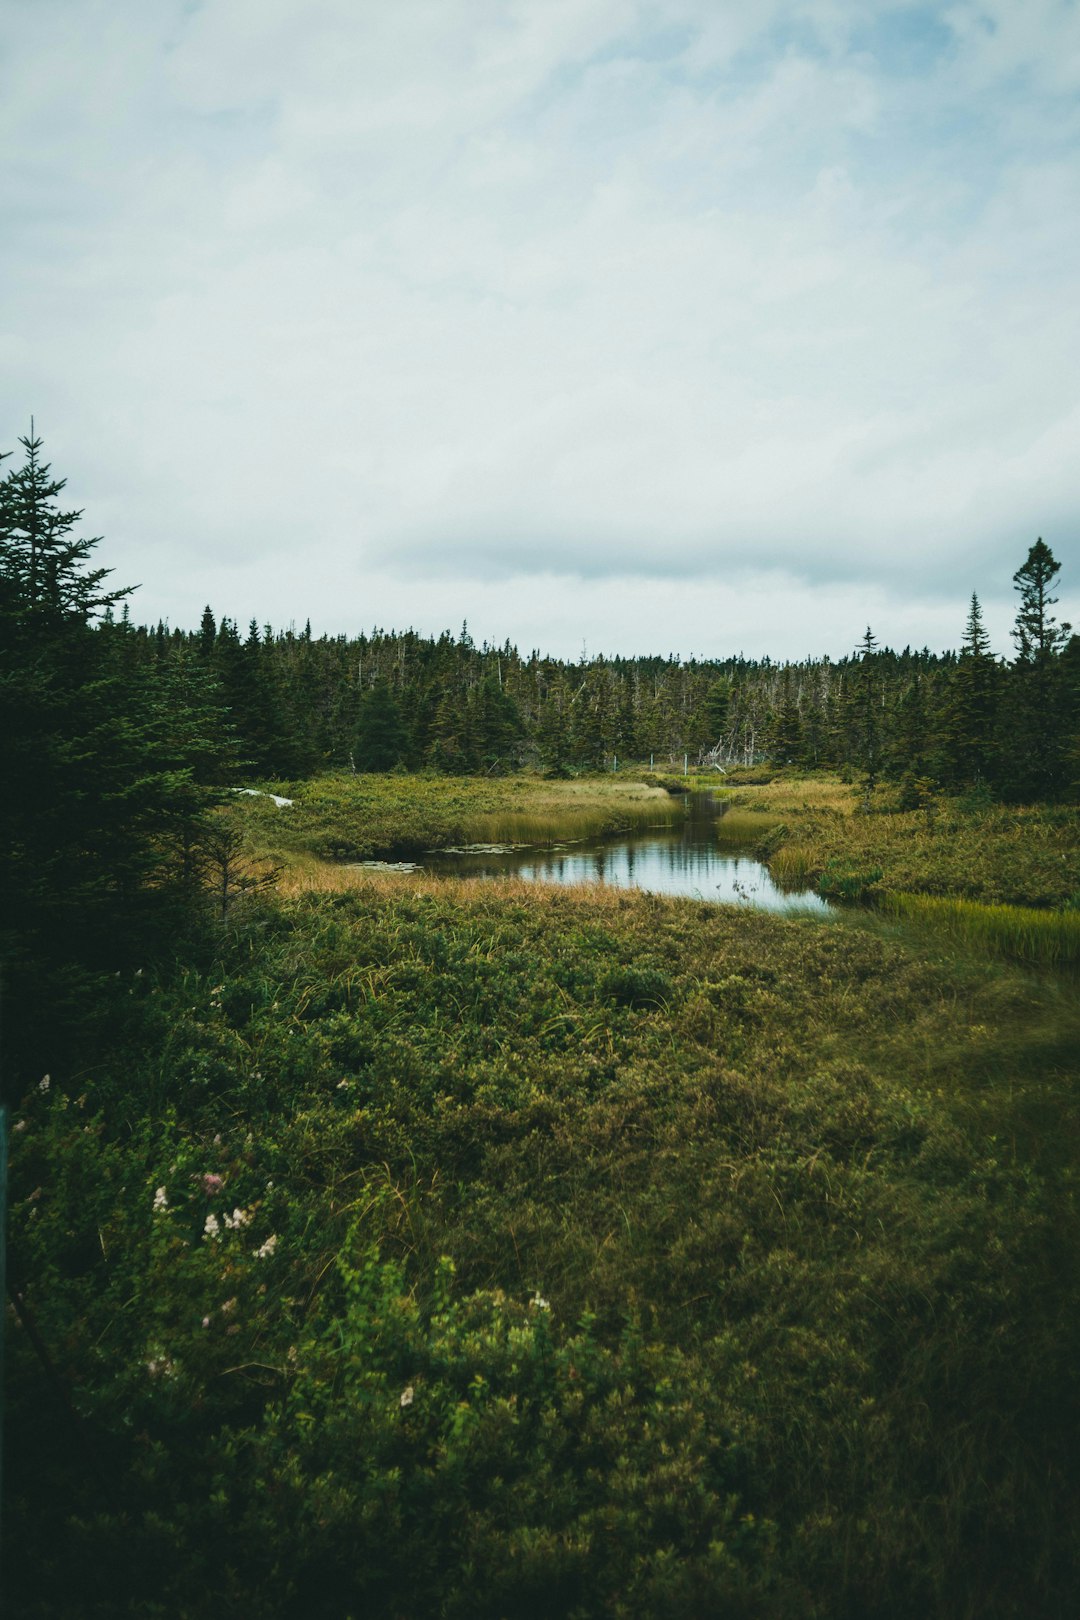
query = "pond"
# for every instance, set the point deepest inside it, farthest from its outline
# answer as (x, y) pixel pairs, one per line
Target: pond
(686, 858)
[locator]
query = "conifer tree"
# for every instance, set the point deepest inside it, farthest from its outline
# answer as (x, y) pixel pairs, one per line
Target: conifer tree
(785, 743)
(498, 725)
(971, 707)
(89, 789)
(866, 709)
(381, 740)
(1033, 733)
(207, 634)
(1037, 634)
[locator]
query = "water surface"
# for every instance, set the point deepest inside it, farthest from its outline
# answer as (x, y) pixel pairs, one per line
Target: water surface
(685, 859)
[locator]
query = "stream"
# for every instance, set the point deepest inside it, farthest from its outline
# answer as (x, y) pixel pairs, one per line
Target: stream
(686, 858)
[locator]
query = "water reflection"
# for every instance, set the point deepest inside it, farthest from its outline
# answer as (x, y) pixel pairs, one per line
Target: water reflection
(685, 860)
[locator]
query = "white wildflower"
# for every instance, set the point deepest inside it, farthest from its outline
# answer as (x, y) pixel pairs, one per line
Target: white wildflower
(267, 1249)
(212, 1227)
(160, 1201)
(238, 1218)
(45, 1082)
(539, 1303)
(206, 1321)
(408, 1395)
(19, 1125)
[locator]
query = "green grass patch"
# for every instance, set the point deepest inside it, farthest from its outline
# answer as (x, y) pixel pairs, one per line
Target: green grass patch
(1018, 855)
(1043, 938)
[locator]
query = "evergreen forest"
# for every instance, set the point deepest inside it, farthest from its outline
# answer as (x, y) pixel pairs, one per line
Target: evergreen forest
(380, 1245)
(298, 705)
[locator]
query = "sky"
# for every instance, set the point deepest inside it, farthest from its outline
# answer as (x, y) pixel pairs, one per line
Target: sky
(673, 326)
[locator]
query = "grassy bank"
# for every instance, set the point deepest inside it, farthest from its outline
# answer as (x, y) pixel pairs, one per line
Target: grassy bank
(436, 1250)
(1043, 938)
(1022, 855)
(356, 817)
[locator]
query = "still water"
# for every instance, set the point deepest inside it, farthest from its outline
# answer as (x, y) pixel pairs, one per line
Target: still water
(686, 859)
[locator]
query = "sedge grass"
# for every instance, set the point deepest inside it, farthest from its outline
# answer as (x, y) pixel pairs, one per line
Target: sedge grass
(1022, 933)
(347, 817)
(792, 866)
(1016, 855)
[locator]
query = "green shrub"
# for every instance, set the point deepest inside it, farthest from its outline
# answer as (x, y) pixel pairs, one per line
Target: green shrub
(801, 1203)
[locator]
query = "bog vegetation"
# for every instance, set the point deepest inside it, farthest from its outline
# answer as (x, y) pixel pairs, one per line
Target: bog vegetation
(386, 1246)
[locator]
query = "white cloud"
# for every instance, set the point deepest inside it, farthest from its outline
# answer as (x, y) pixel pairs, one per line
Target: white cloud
(447, 293)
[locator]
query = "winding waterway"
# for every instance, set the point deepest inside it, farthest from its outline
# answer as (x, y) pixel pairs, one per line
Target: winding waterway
(685, 859)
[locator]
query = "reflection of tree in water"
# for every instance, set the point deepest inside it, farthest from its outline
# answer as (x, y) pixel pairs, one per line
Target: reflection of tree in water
(687, 863)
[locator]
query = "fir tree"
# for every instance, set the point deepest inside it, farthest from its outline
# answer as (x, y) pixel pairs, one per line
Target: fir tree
(785, 743)
(207, 634)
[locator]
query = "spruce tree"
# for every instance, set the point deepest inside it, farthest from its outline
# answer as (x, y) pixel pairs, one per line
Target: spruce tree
(207, 634)
(785, 743)
(971, 703)
(89, 792)
(866, 715)
(1038, 636)
(381, 739)
(1034, 726)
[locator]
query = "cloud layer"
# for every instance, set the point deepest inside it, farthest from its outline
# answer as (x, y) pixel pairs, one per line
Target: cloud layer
(764, 316)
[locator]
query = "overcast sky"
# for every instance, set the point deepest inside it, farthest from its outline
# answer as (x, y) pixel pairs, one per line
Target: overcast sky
(686, 326)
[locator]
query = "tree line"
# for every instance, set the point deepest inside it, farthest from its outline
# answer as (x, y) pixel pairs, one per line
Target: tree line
(119, 739)
(298, 704)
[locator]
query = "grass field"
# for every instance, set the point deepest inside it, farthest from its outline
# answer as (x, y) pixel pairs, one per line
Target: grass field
(427, 1249)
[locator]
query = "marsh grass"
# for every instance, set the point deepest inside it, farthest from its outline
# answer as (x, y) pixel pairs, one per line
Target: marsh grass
(795, 1199)
(361, 817)
(1017, 855)
(1021, 933)
(737, 826)
(792, 867)
(796, 796)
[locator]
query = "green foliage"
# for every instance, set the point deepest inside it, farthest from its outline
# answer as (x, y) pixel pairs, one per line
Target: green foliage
(101, 785)
(1034, 730)
(966, 847)
(381, 739)
(848, 880)
(415, 1252)
(801, 1205)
